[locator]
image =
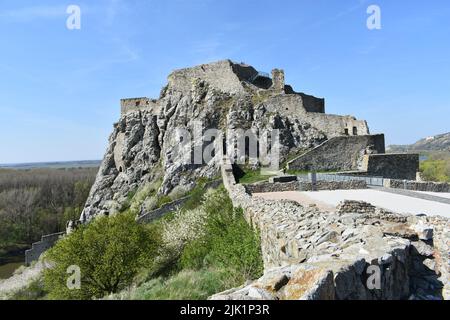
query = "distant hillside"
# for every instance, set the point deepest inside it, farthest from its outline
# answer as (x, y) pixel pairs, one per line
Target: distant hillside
(436, 143)
(53, 165)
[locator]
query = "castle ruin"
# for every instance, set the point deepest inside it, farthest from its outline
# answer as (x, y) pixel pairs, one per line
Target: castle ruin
(349, 145)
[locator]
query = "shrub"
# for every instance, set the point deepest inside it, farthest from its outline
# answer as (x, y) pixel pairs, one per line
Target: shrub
(110, 251)
(228, 242)
(183, 228)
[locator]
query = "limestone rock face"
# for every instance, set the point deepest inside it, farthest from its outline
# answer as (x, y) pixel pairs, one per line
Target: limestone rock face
(145, 146)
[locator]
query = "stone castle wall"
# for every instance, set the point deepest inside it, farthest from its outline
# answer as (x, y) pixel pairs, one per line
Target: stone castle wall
(310, 109)
(313, 104)
(219, 75)
(309, 254)
(392, 166)
(137, 104)
(343, 153)
(336, 125)
(38, 248)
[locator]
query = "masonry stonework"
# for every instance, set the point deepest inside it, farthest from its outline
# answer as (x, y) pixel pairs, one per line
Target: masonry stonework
(417, 186)
(344, 153)
(393, 166)
(278, 80)
(305, 186)
(309, 254)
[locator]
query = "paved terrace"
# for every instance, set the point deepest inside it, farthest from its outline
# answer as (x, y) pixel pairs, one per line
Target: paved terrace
(328, 200)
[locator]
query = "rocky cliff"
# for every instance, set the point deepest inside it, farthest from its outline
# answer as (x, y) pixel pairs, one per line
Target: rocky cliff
(144, 146)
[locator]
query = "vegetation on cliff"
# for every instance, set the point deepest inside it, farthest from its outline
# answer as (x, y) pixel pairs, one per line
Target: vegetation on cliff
(204, 248)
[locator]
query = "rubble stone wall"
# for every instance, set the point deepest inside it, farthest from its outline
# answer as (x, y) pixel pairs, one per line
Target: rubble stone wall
(305, 186)
(417, 186)
(393, 166)
(343, 153)
(309, 254)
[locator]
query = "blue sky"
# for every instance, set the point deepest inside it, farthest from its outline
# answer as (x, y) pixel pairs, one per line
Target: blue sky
(60, 88)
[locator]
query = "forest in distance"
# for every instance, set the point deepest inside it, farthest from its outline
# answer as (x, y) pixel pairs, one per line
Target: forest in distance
(35, 202)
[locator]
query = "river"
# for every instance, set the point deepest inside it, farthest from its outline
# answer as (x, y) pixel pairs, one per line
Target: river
(10, 264)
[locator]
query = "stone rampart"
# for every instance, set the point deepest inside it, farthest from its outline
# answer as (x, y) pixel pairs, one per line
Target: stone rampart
(309, 254)
(392, 166)
(38, 248)
(344, 153)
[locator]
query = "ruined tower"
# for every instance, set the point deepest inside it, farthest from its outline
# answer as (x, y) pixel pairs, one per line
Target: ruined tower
(278, 80)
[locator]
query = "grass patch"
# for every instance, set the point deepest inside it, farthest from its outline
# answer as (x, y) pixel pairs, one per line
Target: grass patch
(304, 172)
(252, 176)
(186, 285)
(34, 291)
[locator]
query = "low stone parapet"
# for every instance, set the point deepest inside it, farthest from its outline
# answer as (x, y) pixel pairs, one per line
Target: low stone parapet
(416, 185)
(266, 187)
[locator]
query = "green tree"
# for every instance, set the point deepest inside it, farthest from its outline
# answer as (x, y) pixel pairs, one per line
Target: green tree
(435, 170)
(109, 252)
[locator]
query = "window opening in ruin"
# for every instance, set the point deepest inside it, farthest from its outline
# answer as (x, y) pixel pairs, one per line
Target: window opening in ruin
(355, 131)
(224, 146)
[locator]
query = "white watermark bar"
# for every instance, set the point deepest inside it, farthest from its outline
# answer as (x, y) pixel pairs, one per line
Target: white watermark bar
(258, 148)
